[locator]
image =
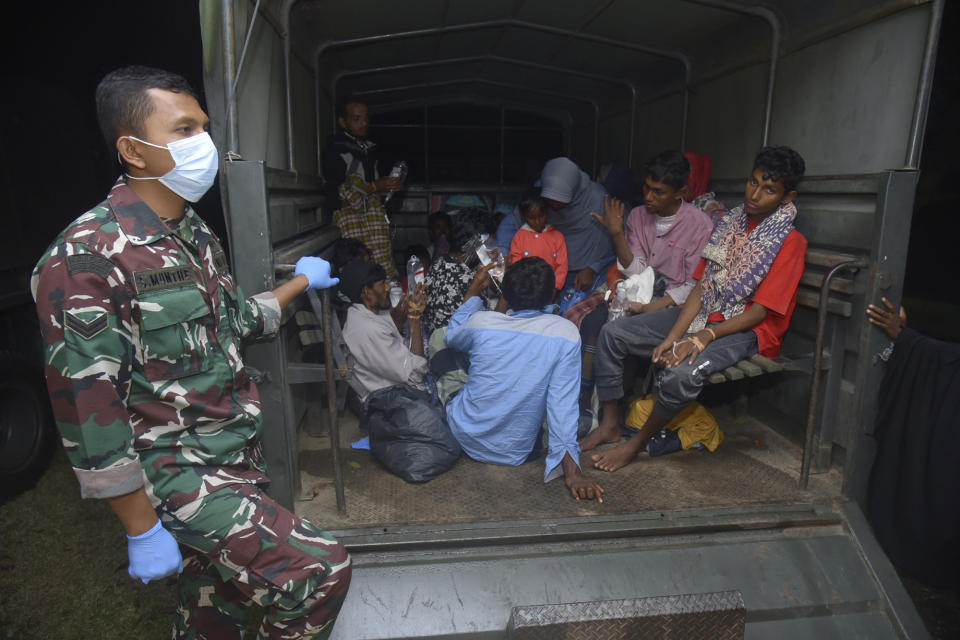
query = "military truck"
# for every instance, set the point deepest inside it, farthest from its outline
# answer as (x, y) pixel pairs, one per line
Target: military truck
(766, 536)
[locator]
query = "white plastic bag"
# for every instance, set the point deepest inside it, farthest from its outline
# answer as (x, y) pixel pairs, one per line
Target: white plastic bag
(640, 286)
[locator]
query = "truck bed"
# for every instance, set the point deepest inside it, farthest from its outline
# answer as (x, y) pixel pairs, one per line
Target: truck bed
(754, 465)
(459, 556)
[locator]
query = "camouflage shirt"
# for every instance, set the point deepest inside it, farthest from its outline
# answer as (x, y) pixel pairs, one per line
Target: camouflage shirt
(142, 324)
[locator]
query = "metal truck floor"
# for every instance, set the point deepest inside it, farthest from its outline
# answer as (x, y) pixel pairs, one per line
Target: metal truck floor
(754, 465)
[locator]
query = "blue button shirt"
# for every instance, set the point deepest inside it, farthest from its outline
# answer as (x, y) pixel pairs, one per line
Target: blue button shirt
(523, 366)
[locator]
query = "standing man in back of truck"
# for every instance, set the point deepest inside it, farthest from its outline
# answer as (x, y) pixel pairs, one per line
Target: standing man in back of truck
(143, 326)
(353, 185)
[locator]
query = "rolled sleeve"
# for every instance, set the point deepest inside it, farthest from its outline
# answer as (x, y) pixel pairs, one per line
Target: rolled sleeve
(634, 268)
(268, 308)
(85, 320)
(108, 483)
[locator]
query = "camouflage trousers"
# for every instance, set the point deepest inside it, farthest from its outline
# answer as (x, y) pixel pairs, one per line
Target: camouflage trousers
(241, 547)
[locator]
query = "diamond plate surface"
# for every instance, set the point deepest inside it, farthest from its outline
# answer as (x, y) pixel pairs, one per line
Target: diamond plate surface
(720, 615)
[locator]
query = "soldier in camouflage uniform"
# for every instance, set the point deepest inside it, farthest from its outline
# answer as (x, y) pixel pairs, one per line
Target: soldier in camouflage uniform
(143, 326)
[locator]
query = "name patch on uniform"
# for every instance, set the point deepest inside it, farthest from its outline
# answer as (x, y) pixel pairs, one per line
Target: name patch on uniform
(166, 278)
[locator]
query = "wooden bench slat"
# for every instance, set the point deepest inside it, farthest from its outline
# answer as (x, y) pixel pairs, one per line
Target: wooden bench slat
(838, 284)
(749, 368)
(827, 259)
(765, 363)
(732, 373)
(811, 300)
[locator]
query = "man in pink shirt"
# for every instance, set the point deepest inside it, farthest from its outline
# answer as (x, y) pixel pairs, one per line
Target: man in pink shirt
(666, 234)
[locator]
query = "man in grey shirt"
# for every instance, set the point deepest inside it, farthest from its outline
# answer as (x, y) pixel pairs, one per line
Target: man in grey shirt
(380, 356)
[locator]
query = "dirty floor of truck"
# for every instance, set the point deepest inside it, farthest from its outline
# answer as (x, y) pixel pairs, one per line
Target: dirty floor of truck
(754, 465)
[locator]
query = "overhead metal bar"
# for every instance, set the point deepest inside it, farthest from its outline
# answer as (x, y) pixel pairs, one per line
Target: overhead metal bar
(507, 85)
(506, 22)
(922, 103)
(504, 60)
(522, 24)
(485, 57)
(775, 34)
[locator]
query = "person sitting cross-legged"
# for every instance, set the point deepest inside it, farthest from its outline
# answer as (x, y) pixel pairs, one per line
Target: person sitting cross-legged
(524, 372)
(741, 305)
(377, 350)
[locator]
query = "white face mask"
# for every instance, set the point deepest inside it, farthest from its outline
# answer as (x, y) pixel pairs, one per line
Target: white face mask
(196, 166)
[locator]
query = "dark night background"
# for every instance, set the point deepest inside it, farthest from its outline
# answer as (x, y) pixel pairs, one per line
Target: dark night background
(55, 164)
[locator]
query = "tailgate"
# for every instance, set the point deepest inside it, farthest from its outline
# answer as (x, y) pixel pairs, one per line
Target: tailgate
(803, 571)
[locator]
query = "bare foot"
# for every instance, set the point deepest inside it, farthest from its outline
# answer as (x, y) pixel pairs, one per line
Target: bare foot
(601, 435)
(616, 458)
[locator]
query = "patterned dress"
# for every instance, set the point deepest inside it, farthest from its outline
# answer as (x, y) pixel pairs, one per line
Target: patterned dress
(446, 282)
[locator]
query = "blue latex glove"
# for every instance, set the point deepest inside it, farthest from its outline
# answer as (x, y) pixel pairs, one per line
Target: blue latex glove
(317, 271)
(153, 555)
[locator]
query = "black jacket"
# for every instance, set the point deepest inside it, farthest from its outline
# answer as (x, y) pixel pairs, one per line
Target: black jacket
(343, 156)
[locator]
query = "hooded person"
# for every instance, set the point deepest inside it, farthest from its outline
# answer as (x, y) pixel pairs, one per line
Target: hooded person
(572, 197)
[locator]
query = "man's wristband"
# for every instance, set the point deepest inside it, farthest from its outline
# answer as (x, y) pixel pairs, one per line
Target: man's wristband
(713, 335)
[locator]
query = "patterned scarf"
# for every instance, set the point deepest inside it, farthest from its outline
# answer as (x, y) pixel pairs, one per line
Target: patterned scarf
(738, 261)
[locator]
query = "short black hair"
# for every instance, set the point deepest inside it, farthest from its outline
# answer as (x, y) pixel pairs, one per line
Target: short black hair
(123, 103)
(670, 167)
(346, 250)
(781, 163)
(343, 103)
(529, 284)
(532, 200)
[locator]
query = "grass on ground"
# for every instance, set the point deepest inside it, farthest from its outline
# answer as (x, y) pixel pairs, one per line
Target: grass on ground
(63, 569)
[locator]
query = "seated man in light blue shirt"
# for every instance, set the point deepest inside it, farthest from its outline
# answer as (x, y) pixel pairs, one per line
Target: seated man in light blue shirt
(524, 367)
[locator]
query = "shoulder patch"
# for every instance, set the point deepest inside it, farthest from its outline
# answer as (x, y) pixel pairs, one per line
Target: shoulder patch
(220, 259)
(90, 263)
(166, 278)
(86, 329)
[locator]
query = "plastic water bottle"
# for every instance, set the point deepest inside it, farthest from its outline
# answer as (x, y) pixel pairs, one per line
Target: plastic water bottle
(399, 171)
(414, 272)
(488, 252)
(617, 302)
